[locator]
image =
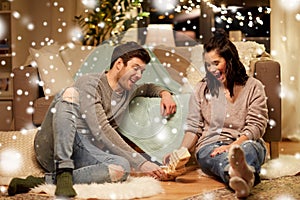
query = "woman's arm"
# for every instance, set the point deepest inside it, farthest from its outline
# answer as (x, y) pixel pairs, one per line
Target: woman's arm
(257, 116)
(193, 125)
(189, 141)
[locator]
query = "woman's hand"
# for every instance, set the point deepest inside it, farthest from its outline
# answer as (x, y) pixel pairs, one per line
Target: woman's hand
(167, 104)
(152, 169)
(225, 148)
(219, 150)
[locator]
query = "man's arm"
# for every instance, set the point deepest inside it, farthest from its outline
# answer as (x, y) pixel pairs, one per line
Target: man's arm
(99, 124)
(167, 104)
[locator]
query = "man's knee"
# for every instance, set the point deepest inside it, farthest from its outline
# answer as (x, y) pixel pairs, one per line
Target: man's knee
(117, 173)
(71, 95)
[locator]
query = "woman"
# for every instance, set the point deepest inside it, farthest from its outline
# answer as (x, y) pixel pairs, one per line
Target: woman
(227, 119)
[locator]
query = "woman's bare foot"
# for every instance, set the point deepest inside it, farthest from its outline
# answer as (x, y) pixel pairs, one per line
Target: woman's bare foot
(240, 187)
(241, 175)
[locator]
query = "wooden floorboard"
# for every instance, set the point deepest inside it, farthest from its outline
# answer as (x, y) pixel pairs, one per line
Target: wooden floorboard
(194, 182)
(190, 184)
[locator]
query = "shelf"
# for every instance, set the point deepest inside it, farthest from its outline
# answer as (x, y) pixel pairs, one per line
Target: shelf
(5, 55)
(6, 117)
(5, 11)
(6, 81)
(5, 51)
(6, 92)
(6, 98)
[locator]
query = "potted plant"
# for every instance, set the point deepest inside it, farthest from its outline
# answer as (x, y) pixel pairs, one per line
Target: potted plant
(108, 20)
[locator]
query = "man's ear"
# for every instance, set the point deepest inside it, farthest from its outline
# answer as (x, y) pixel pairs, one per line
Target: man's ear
(119, 64)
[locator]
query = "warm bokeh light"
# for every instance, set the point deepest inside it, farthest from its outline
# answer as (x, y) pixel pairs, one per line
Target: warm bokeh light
(16, 15)
(298, 17)
(30, 26)
(11, 160)
(89, 3)
(164, 5)
(291, 5)
(3, 29)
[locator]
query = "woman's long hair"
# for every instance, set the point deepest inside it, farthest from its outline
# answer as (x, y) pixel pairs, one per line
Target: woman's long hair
(235, 71)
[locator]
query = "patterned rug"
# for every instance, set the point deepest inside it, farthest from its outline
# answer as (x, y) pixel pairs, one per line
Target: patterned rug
(27, 196)
(283, 188)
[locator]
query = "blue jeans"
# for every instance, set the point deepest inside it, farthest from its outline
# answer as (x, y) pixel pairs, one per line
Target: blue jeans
(218, 166)
(64, 141)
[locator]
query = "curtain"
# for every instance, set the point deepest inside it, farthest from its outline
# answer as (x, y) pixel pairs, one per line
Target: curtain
(285, 48)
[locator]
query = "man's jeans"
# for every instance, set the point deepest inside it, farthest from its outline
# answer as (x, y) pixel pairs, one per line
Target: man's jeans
(218, 166)
(72, 147)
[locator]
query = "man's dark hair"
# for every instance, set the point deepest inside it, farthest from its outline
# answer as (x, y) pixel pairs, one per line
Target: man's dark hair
(128, 51)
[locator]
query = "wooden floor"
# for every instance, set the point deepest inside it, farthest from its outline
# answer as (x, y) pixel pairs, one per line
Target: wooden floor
(190, 184)
(194, 183)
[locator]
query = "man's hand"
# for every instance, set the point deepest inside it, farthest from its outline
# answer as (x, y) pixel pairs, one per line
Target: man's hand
(166, 159)
(167, 104)
(152, 169)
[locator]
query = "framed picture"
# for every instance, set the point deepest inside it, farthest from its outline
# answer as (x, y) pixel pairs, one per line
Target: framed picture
(5, 85)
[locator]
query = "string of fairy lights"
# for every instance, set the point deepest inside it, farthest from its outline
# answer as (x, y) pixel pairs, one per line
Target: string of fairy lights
(227, 17)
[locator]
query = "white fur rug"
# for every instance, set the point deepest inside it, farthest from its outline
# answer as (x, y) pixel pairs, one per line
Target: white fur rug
(285, 165)
(134, 187)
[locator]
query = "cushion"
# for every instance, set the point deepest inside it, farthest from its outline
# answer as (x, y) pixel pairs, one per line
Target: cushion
(174, 59)
(52, 71)
(249, 50)
(184, 64)
(49, 48)
(73, 56)
(41, 106)
(196, 71)
(97, 61)
(17, 157)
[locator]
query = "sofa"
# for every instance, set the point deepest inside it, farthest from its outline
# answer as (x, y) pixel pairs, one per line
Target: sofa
(36, 82)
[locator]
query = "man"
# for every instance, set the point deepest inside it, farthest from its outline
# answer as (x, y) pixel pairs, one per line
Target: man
(78, 141)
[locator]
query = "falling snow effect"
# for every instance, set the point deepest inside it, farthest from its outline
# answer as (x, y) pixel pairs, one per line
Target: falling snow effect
(13, 157)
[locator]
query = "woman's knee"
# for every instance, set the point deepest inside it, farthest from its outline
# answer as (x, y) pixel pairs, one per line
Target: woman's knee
(254, 151)
(204, 162)
(203, 156)
(252, 146)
